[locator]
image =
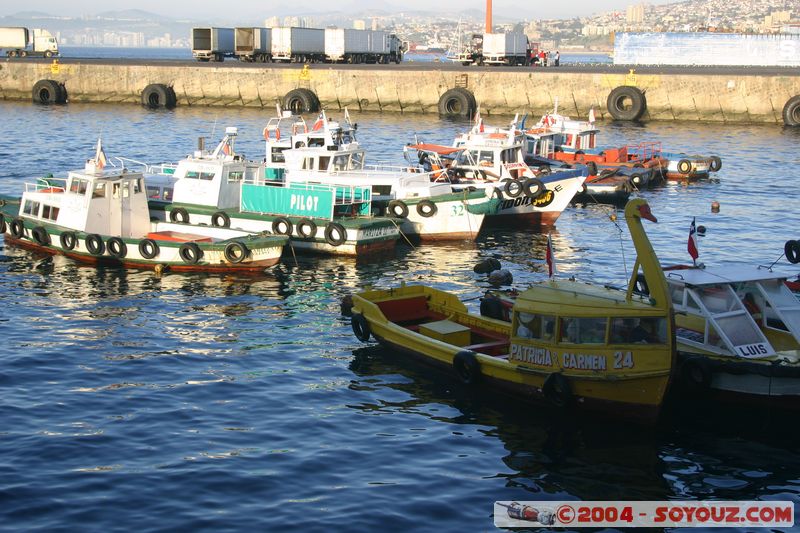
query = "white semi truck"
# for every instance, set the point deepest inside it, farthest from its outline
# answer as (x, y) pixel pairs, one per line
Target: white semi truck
(497, 49)
(253, 44)
(362, 46)
(298, 45)
(23, 42)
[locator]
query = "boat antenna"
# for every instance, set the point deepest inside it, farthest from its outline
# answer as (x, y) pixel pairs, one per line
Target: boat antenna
(214, 127)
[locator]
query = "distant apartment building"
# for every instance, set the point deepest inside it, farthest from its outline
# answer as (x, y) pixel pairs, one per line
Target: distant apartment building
(635, 14)
(272, 22)
(359, 24)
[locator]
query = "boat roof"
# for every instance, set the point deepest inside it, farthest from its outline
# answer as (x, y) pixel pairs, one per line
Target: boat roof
(435, 148)
(728, 274)
(583, 299)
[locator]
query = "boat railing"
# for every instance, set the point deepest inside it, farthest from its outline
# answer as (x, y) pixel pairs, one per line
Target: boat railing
(644, 151)
(48, 184)
(148, 168)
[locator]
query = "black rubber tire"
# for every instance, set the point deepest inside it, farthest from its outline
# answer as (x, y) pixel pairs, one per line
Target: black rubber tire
(179, 215)
(684, 166)
(398, 208)
(467, 367)
(301, 101)
(512, 188)
(40, 236)
(236, 252)
(117, 248)
(545, 170)
(792, 251)
(94, 244)
(282, 226)
(426, 208)
(492, 307)
(3, 226)
(149, 249)
(714, 163)
(190, 253)
(457, 102)
(618, 103)
(360, 327)
(68, 240)
(636, 179)
(791, 112)
(335, 234)
(307, 228)
(159, 96)
(17, 228)
(557, 390)
(695, 375)
(533, 188)
(48, 92)
(220, 219)
(592, 166)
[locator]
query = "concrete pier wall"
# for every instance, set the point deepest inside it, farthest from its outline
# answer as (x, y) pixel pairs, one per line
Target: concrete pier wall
(696, 97)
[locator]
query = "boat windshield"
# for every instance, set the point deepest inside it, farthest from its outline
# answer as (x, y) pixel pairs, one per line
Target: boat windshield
(779, 308)
(730, 326)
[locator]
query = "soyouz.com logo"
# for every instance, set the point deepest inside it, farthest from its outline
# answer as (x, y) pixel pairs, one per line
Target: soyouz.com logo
(775, 514)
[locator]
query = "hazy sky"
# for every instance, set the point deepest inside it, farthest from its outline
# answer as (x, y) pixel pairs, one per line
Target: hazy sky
(263, 8)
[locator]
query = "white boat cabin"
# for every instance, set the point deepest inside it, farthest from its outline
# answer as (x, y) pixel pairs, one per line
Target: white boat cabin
(106, 202)
(571, 135)
(497, 153)
(738, 305)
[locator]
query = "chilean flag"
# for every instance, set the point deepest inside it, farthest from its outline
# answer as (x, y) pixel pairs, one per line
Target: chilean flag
(318, 125)
(691, 246)
(550, 258)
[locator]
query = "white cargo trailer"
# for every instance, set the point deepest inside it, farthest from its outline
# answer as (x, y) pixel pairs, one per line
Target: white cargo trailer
(298, 45)
(347, 45)
(23, 42)
(253, 44)
(506, 48)
(212, 43)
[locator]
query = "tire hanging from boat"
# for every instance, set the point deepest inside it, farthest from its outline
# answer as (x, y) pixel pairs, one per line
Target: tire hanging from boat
(148, 248)
(360, 327)
(40, 236)
(117, 248)
(220, 219)
(190, 253)
(179, 215)
(94, 244)
(557, 390)
(792, 251)
(426, 208)
(533, 188)
(684, 166)
(282, 226)
(695, 375)
(512, 188)
(398, 208)
(2, 223)
(307, 228)
(335, 234)
(714, 163)
(68, 240)
(235, 252)
(17, 228)
(467, 368)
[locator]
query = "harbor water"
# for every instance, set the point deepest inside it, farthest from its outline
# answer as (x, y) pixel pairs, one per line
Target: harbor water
(220, 403)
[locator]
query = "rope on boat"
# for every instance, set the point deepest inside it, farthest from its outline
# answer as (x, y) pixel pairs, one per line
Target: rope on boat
(294, 256)
(401, 233)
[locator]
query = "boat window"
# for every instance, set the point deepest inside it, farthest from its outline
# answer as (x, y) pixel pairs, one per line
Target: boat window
(31, 208)
(191, 174)
(740, 330)
(357, 161)
(340, 163)
(324, 162)
(531, 149)
(153, 192)
(78, 186)
(115, 190)
(578, 139)
(277, 155)
(168, 194)
(487, 157)
(638, 331)
(583, 330)
(718, 298)
(316, 141)
(783, 308)
(534, 326)
(137, 186)
(235, 175)
(208, 176)
(126, 189)
(99, 190)
(49, 212)
(592, 140)
(568, 139)
(308, 163)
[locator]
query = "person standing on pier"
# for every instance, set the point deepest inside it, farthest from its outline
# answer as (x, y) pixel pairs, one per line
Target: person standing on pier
(557, 58)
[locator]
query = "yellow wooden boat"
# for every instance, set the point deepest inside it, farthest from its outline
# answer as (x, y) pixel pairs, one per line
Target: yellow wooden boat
(570, 344)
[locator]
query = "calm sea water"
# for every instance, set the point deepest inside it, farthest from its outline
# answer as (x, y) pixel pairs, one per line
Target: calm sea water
(199, 402)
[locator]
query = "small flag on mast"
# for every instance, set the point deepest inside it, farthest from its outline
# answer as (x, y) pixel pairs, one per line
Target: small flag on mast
(100, 156)
(691, 246)
(591, 115)
(550, 258)
(319, 123)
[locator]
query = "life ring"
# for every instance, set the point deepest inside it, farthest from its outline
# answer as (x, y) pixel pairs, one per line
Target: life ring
(398, 208)
(335, 234)
(94, 244)
(426, 208)
(512, 188)
(307, 228)
(714, 163)
(40, 235)
(282, 226)
(684, 166)
(190, 253)
(220, 219)
(791, 249)
(179, 215)
(557, 390)
(277, 134)
(148, 248)
(695, 374)
(68, 240)
(2, 223)
(533, 188)
(360, 327)
(467, 367)
(117, 247)
(18, 228)
(235, 252)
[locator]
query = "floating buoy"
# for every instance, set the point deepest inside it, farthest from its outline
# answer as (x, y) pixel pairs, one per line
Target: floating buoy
(501, 277)
(701, 231)
(715, 207)
(486, 266)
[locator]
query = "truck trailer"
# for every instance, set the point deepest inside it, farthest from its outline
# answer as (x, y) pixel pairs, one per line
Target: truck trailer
(212, 43)
(496, 49)
(253, 44)
(23, 42)
(298, 45)
(362, 46)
